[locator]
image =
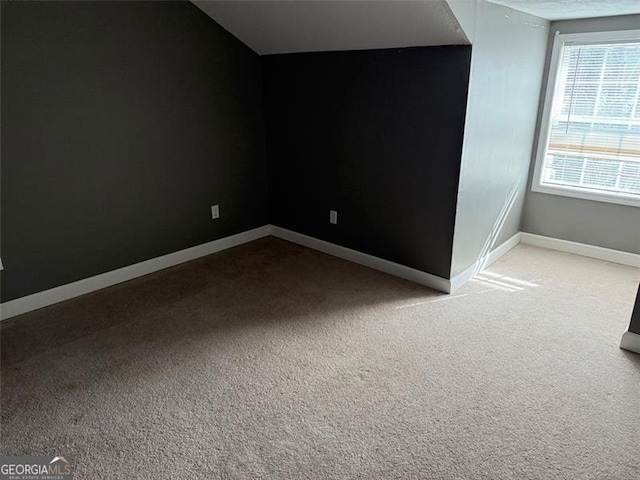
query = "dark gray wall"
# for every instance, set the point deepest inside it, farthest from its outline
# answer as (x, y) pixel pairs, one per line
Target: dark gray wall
(375, 135)
(585, 221)
(122, 122)
(506, 73)
(635, 316)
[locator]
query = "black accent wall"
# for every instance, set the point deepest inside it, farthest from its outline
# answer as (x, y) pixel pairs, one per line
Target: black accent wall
(376, 135)
(635, 316)
(122, 122)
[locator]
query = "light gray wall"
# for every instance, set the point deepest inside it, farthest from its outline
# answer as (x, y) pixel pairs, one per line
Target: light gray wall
(595, 223)
(506, 74)
(465, 12)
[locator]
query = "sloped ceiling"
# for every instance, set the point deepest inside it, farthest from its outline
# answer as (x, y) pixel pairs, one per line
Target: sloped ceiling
(270, 27)
(573, 9)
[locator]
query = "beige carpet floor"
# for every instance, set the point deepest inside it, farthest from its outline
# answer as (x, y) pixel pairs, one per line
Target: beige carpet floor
(272, 361)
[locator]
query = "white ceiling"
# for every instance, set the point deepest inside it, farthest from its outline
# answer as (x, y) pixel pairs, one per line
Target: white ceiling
(310, 26)
(573, 9)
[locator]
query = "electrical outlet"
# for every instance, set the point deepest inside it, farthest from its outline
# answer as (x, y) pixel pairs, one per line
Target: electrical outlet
(333, 217)
(215, 211)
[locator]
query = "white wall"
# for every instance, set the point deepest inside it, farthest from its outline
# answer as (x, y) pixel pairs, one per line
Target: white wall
(508, 52)
(595, 223)
(465, 12)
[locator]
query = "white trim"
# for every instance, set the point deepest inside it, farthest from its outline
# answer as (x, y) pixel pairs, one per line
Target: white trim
(630, 341)
(607, 254)
(484, 262)
(584, 194)
(542, 142)
(65, 292)
(402, 271)
(599, 37)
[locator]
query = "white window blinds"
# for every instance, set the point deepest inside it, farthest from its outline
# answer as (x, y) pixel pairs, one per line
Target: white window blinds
(594, 122)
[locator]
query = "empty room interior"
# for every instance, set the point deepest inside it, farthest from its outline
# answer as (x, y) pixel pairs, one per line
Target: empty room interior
(320, 239)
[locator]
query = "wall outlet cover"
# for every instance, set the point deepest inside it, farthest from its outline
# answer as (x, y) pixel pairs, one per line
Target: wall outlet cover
(333, 217)
(215, 211)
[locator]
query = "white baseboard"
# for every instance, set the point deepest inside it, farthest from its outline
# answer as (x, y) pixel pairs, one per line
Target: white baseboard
(484, 262)
(630, 341)
(402, 271)
(615, 256)
(65, 292)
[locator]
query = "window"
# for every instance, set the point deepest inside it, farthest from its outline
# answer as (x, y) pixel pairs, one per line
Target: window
(589, 144)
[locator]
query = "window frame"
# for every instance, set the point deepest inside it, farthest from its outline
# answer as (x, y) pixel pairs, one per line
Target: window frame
(559, 42)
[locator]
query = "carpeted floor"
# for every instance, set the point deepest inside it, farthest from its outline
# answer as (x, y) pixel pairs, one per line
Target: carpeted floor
(272, 361)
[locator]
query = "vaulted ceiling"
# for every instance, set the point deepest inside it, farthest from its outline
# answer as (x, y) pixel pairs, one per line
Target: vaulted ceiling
(308, 26)
(323, 25)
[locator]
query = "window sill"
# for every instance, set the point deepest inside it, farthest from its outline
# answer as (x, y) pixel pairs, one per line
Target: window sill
(587, 195)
